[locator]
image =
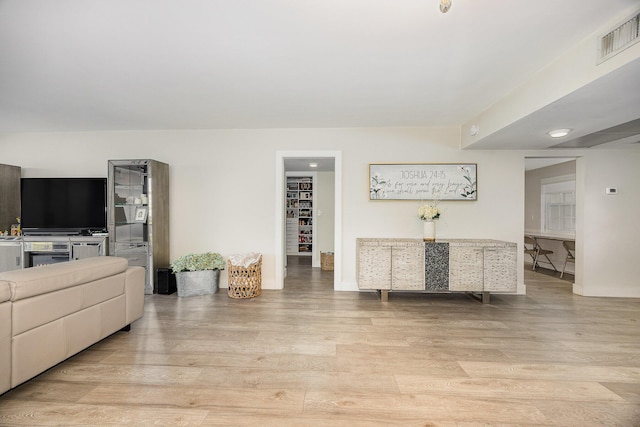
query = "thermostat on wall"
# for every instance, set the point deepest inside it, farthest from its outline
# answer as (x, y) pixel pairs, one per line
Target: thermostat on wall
(611, 191)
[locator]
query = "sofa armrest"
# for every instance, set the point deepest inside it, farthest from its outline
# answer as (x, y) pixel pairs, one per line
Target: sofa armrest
(134, 293)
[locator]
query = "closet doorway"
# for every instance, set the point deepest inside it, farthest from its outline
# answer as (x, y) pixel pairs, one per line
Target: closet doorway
(308, 215)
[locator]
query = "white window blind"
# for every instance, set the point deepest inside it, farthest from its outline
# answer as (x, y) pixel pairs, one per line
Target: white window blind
(558, 204)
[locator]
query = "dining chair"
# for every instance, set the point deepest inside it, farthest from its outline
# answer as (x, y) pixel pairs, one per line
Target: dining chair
(530, 249)
(535, 251)
(570, 247)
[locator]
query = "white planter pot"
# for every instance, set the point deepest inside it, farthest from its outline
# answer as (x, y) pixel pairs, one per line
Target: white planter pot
(192, 283)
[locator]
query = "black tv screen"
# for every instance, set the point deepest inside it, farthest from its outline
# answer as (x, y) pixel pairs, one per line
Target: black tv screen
(74, 205)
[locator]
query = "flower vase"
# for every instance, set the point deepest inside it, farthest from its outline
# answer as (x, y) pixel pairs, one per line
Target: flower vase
(429, 231)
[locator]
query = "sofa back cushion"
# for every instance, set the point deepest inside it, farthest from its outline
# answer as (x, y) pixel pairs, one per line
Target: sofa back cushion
(30, 313)
(50, 278)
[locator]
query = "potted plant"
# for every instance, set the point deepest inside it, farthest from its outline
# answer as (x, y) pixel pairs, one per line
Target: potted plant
(198, 274)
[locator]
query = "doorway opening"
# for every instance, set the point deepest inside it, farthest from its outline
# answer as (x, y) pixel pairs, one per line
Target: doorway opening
(318, 200)
(551, 212)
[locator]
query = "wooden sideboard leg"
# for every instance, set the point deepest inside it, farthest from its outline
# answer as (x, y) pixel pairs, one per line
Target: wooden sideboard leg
(383, 295)
(486, 298)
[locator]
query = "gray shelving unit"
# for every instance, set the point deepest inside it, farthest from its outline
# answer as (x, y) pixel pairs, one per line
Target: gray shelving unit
(138, 215)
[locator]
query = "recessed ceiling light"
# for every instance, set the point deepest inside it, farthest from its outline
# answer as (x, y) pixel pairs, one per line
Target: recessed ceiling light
(313, 165)
(559, 133)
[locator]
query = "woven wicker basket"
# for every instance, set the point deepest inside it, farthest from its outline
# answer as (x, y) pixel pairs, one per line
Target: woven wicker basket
(245, 282)
(326, 261)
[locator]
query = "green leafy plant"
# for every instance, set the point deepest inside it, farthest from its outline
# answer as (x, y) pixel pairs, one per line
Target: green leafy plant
(197, 262)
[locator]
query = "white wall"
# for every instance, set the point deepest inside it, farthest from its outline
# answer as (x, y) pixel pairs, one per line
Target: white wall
(607, 254)
(223, 188)
(324, 200)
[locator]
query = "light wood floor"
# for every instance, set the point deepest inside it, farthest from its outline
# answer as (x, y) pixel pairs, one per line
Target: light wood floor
(309, 356)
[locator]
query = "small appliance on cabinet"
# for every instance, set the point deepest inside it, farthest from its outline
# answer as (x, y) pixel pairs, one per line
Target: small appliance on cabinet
(138, 218)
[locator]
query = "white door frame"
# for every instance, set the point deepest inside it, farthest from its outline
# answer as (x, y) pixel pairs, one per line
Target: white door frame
(280, 250)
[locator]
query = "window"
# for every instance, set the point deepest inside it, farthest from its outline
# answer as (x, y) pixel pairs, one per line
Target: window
(558, 204)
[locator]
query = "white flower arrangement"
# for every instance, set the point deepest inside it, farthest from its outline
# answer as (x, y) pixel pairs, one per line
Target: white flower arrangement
(429, 212)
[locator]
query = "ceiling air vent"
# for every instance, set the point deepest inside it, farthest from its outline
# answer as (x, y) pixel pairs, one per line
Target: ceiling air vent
(620, 38)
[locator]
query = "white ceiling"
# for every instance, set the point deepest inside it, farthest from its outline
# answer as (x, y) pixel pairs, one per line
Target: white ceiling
(85, 65)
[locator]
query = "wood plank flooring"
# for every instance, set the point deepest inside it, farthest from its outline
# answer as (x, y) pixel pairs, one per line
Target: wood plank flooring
(309, 356)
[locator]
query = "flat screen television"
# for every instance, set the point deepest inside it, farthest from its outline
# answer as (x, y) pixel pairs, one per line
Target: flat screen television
(63, 205)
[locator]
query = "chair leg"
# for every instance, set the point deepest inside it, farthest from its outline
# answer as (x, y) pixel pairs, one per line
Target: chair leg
(533, 259)
(563, 267)
(554, 267)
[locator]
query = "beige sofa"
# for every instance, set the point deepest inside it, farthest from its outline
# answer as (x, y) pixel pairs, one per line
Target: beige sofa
(50, 313)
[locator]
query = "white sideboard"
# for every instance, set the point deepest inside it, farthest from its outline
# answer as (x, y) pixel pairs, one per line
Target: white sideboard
(478, 266)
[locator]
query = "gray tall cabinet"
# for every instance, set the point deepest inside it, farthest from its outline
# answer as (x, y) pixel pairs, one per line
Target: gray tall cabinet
(10, 247)
(138, 218)
(9, 195)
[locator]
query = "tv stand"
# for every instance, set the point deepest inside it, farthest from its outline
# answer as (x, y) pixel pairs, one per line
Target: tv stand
(33, 250)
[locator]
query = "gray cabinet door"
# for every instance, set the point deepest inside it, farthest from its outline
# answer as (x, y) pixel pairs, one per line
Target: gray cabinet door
(407, 268)
(500, 269)
(436, 266)
(10, 256)
(374, 267)
(137, 254)
(466, 268)
(81, 250)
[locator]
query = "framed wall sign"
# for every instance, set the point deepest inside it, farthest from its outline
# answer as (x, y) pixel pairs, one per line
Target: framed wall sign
(423, 181)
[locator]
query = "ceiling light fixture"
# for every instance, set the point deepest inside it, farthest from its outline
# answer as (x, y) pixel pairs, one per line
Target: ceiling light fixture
(313, 165)
(559, 133)
(445, 5)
